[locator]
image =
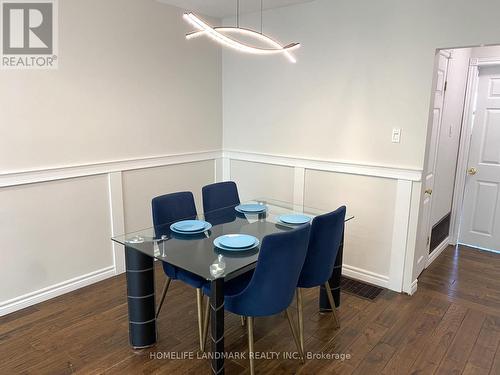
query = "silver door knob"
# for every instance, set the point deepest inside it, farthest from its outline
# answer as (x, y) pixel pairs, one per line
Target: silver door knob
(428, 191)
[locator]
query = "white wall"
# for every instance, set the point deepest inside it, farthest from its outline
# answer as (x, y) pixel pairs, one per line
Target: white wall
(131, 97)
(449, 134)
(257, 180)
(128, 86)
(142, 185)
(364, 68)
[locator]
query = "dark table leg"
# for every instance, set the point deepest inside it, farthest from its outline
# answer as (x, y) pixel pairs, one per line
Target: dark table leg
(141, 299)
(217, 326)
(324, 305)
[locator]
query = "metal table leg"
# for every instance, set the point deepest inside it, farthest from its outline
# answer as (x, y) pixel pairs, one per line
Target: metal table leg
(217, 325)
(141, 299)
(334, 282)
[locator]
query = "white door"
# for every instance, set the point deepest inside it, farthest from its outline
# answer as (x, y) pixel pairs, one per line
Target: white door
(423, 245)
(480, 225)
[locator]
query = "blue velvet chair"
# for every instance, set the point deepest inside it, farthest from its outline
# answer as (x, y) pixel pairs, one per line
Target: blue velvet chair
(324, 242)
(167, 209)
(220, 195)
(271, 287)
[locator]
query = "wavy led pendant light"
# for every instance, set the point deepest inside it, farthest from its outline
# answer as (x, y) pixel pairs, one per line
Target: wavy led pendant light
(220, 35)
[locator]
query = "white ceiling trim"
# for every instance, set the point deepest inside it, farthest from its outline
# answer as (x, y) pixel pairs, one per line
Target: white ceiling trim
(226, 8)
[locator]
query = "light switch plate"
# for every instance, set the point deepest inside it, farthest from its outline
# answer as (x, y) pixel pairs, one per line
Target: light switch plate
(396, 135)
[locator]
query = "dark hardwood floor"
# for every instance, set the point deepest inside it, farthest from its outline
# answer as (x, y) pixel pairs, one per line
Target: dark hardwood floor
(450, 326)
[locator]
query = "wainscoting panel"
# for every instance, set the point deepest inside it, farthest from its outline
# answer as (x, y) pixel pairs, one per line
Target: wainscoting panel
(52, 233)
(368, 239)
(263, 180)
(142, 185)
(380, 241)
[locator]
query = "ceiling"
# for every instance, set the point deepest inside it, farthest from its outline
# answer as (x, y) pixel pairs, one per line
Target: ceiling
(225, 8)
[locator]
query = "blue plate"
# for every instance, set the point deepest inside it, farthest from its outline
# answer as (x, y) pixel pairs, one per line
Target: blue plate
(251, 208)
(207, 226)
(294, 219)
(217, 243)
(236, 241)
(188, 225)
(244, 249)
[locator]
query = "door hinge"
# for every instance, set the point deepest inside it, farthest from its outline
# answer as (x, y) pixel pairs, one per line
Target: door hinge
(428, 240)
(445, 85)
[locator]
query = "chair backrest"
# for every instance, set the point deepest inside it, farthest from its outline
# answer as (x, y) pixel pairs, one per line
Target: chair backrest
(220, 195)
(273, 283)
(172, 207)
(324, 242)
(222, 216)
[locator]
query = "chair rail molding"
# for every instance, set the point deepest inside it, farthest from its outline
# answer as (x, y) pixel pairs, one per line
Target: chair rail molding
(13, 178)
(327, 165)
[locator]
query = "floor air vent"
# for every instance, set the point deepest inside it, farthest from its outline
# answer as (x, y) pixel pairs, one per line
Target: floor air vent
(359, 288)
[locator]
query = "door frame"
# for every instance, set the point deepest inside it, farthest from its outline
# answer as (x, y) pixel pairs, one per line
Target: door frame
(465, 140)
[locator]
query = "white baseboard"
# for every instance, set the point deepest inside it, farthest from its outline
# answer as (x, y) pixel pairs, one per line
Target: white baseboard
(414, 286)
(364, 275)
(29, 299)
(432, 256)
(412, 289)
(479, 248)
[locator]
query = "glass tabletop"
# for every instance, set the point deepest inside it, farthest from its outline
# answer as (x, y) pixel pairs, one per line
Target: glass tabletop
(197, 253)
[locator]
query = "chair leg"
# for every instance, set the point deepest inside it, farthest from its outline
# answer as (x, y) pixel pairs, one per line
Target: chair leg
(199, 308)
(294, 334)
(250, 343)
(243, 320)
(205, 323)
(300, 314)
(164, 293)
(332, 304)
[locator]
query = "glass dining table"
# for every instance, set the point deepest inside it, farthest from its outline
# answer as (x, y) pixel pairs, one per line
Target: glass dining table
(197, 254)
